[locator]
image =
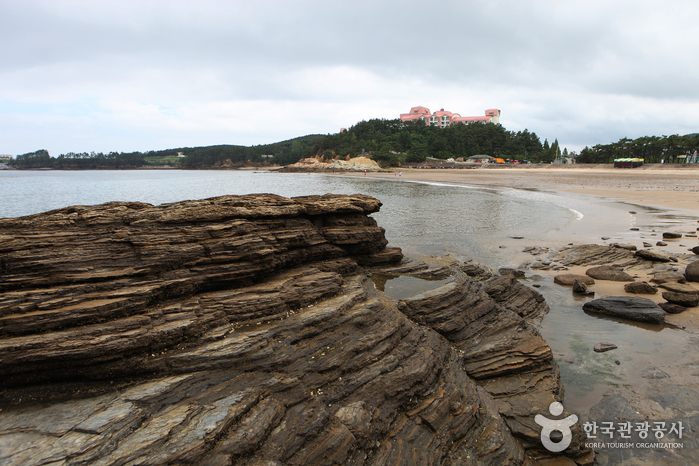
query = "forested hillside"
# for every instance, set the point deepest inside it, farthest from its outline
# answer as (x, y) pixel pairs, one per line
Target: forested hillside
(389, 142)
(393, 141)
(283, 152)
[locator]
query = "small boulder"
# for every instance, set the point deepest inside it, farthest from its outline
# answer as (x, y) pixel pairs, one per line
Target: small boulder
(672, 235)
(683, 299)
(627, 307)
(602, 347)
(652, 256)
(661, 243)
(672, 308)
(607, 272)
(640, 288)
(568, 279)
(580, 288)
(695, 250)
(692, 271)
(647, 245)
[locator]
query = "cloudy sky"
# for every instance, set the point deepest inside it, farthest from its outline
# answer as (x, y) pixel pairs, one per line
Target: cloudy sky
(145, 75)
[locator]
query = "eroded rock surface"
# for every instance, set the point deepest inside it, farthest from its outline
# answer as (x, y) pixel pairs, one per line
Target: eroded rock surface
(242, 330)
(632, 308)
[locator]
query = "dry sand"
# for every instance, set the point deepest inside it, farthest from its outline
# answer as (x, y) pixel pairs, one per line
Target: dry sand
(652, 185)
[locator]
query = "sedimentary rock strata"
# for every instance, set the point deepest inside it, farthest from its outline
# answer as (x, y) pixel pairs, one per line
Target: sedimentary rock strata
(242, 330)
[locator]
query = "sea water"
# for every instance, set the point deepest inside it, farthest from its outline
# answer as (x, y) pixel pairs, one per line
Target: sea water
(420, 218)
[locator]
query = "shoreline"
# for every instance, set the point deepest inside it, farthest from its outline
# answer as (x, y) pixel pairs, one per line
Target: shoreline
(671, 188)
(623, 206)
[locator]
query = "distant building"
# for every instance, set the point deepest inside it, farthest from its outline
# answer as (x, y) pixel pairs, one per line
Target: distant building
(445, 118)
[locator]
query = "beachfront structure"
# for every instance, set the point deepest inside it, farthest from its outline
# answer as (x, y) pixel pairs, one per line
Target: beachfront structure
(445, 118)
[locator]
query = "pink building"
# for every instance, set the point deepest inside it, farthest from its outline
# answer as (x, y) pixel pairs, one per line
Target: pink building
(444, 118)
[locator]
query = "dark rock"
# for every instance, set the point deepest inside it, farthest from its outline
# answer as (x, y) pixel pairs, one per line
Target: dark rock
(632, 308)
(647, 245)
(517, 237)
(672, 235)
(632, 212)
(628, 247)
(608, 272)
(695, 249)
(603, 347)
(661, 243)
(640, 288)
(580, 288)
(668, 277)
(683, 299)
(568, 279)
(672, 308)
(652, 256)
(692, 271)
(489, 324)
(634, 229)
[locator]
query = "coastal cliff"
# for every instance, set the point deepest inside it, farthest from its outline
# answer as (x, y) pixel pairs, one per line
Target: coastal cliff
(246, 330)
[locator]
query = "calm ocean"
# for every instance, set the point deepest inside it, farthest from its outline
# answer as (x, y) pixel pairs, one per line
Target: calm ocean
(421, 218)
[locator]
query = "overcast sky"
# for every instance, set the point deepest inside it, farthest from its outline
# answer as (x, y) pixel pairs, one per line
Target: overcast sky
(146, 75)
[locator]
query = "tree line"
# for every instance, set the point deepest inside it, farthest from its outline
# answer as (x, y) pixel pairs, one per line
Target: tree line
(389, 142)
(284, 152)
(653, 149)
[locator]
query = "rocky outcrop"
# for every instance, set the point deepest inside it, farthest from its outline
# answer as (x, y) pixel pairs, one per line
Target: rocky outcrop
(632, 308)
(492, 321)
(357, 164)
(242, 330)
(653, 256)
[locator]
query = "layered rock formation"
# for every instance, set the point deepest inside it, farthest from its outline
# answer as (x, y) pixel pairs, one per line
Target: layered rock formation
(243, 330)
(357, 164)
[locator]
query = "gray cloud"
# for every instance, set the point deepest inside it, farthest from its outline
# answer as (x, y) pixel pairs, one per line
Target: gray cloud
(127, 75)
